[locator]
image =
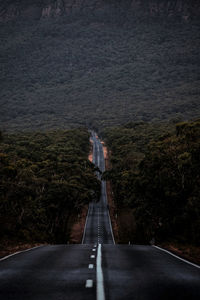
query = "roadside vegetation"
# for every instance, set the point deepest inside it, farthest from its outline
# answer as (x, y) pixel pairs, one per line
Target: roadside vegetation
(155, 179)
(45, 179)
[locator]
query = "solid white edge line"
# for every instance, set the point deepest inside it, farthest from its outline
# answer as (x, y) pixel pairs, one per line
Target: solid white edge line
(94, 145)
(109, 217)
(99, 274)
(18, 252)
(85, 224)
(98, 156)
(182, 259)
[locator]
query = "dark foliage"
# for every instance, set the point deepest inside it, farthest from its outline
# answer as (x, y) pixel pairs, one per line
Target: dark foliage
(71, 71)
(158, 178)
(45, 177)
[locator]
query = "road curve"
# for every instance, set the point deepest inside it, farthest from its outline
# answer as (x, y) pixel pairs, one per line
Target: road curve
(97, 269)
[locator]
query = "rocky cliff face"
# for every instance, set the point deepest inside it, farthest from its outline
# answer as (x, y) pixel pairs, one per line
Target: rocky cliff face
(13, 9)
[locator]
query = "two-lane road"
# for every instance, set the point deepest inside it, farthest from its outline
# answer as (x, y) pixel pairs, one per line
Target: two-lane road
(98, 269)
(98, 225)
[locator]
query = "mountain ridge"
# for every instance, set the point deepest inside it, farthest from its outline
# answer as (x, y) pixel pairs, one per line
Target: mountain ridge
(97, 71)
(127, 9)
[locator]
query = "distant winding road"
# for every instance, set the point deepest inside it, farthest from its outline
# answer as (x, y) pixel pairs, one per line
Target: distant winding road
(98, 269)
(98, 227)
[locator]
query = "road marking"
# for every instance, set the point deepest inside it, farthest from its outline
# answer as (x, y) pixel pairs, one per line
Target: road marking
(92, 256)
(86, 224)
(93, 160)
(19, 252)
(98, 237)
(93, 249)
(99, 275)
(90, 266)
(184, 260)
(89, 283)
(98, 157)
(109, 216)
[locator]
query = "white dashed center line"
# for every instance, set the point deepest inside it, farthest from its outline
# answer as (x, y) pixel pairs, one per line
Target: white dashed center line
(90, 266)
(89, 283)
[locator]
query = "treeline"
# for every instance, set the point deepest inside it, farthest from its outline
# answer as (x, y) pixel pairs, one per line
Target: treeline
(44, 179)
(155, 174)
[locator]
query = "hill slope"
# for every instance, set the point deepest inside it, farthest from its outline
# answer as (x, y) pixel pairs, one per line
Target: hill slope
(96, 69)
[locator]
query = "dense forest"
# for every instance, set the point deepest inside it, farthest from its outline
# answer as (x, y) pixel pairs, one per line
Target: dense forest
(45, 178)
(155, 176)
(97, 69)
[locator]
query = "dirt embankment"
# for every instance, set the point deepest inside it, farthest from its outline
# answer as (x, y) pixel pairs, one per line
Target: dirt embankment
(112, 208)
(78, 221)
(78, 224)
(8, 248)
(90, 156)
(189, 252)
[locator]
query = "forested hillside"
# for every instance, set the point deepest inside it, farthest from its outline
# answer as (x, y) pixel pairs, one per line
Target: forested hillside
(45, 178)
(97, 68)
(155, 178)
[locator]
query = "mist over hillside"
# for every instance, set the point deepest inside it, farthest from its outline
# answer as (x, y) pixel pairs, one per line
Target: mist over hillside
(98, 63)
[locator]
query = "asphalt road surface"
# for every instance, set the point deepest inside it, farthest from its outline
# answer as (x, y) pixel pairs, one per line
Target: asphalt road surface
(98, 269)
(98, 226)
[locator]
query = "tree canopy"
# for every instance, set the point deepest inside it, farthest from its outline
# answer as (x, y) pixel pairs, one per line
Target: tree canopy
(45, 177)
(157, 176)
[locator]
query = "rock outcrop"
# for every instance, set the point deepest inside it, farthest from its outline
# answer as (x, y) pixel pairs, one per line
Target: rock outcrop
(13, 9)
